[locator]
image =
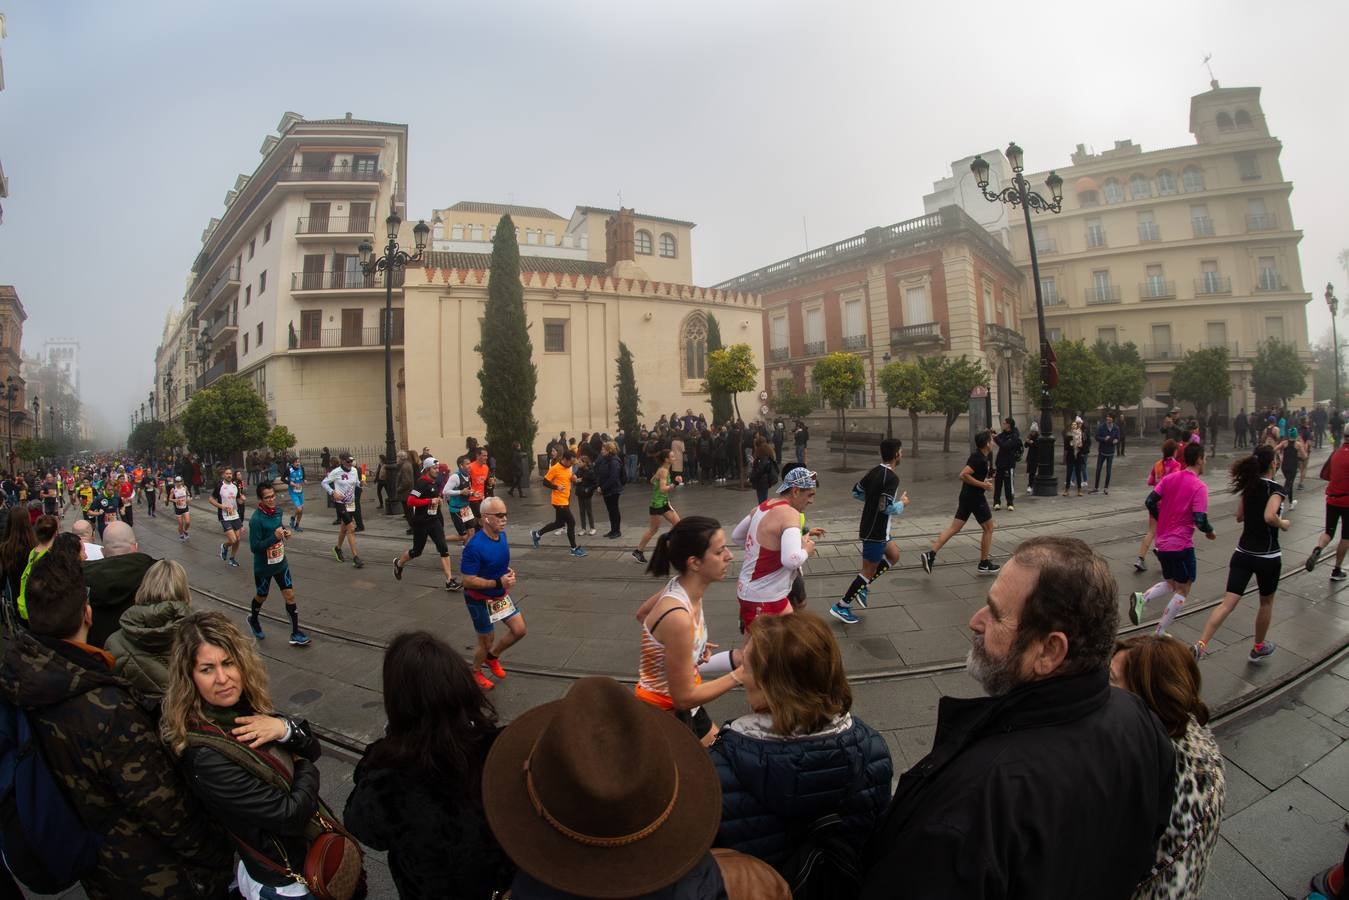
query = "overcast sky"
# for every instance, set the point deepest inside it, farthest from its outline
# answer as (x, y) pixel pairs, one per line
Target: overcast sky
(122, 125)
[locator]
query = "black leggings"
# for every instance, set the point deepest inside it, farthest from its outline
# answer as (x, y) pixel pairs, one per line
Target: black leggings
(615, 517)
(433, 528)
(562, 517)
(585, 502)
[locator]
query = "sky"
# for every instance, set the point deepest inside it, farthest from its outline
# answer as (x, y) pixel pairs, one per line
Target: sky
(770, 123)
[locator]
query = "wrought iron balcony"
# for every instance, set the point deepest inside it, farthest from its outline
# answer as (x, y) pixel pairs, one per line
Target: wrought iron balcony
(1212, 284)
(1262, 222)
(1102, 294)
(922, 333)
(227, 366)
(331, 338)
(227, 280)
(1157, 289)
(334, 225)
(1163, 351)
(330, 172)
(813, 348)
(1203, 226)
(778, 354)
(346, 280)
(1148, 231)
(1269, 281)
(1003, 337)
(855, 342)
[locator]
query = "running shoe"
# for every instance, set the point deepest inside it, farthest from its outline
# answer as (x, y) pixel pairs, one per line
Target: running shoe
(928, 557)
(224, 551)
(1136, 607)
(234, 562)
(483, 681)
(1337, 575)
(1293, 505)
(997, 506)
(987, 567)
(292, 523)
(397, 570)
(356, 561)
(256, 627)
(860, 598)
(337, 552)
(298, 639)
(534, 536)
(843, 614)
(577, 551)
(298, 528)
(1139, 565)
(1011, 508)
(495, 666)
(1199, 649)
(1261, 651)
(1313, 558)
(638, 556)
(454, 585)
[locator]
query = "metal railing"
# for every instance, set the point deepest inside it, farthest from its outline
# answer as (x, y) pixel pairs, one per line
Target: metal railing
(228, 278)
(329, 172)
(778, 354)
(922, 333)
(1156, 289)
(334, 225)
(1051, 298)
(813, 348)
(1212, 285)
(1102, 294)
(1270, 280)
(349, 337)
(1148, 231)
(1095, 237)
(341, 281)
(1163, 351)
(228, 366)
(1046, 245)
(1002, 336)
(855, 342)
(1262, 222)
(1202, 225)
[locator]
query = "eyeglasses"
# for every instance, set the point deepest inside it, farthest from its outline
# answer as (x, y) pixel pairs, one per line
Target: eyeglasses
(501, 516)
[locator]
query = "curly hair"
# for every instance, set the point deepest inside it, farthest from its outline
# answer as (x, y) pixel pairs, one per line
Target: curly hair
(182, 702)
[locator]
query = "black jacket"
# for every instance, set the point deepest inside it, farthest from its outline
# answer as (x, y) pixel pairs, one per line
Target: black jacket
(113, 582)
(609, 469)
(703, 882)
(1009, 445)
(256, 813)
(1060, 788)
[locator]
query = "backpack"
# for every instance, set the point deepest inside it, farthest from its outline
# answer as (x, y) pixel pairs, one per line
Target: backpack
(46, 845)
(824, 865)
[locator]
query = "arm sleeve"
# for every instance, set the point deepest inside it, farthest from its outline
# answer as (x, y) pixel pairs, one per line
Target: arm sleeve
(1151, 502)
(793, 555)
(416, 500)
(894, 508)
(740, 532)
(227, 788)
(1202, 523)
(259, 538)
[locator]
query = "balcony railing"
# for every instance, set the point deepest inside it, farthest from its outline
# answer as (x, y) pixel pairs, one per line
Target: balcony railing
(329, 173)
(813, 348)
(1002, 336)
(1270, 280)
(1262, 222)
(1156, 289)
(778, 354)
(1051, 298)
(349, 337)
(228, 366)
(1148, 231)
(1046, 245)
(1095, 237)
(1213, 284)
(923, 333)
(1203, 226)
(341, 281)
(334, 225)
(1163, 351)
(227, 279)
(855, 342)
(1102, 294)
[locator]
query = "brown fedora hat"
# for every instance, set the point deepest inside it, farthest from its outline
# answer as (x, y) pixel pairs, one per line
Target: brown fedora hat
(601, 795)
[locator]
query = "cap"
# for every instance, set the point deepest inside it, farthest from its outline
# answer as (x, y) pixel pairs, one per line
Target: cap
(177, 478)
(798, 478)
(429, 462)
(345, 457)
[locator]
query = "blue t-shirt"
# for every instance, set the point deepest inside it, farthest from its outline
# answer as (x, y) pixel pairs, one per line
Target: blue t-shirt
(486, 558)
(295, 479)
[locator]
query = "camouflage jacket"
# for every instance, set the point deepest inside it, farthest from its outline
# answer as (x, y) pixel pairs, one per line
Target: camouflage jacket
(105, 751)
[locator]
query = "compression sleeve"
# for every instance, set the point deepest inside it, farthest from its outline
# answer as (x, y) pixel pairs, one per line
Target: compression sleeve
(1202, 523)
(894, 508)
(740, 532)
(792, 554)
(1151, 503)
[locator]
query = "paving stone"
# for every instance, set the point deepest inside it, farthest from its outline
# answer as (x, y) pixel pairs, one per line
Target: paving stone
(896, 704)
(1277, 747)
(932, 646)
(1330, 775)
(1289, 835)
(1242, 789)
(1231, 876)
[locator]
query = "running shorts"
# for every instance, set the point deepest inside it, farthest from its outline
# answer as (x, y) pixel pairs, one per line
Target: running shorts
(1178, 565)
(232, 524)
(433, 528)
(345, 516)
(1337, 517)
(264, 580)
(296, 498)
(977, 507)
(180, 510)
(697, 720)
(1244, 565)
(482, 619)
(658, 510)
(460, 526)
(874, 551)
(751, 610)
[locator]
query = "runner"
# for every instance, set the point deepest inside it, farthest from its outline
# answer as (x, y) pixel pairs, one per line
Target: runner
(85, 498)
(340, 485)
(478, 476)
(879, 492)
(427, 522)
(559, 478)
(1160, 469)
(267, 539)
(295, 484)
(456, 488)
(179, 496)
(225, 498)
(660, 507)
(775, 548)
(974, 481)
(148, 488)
(1181, 503)
(1336, 473)
(108, 504)
(51, 496)
(488, 579)
(674, 632)
(1261, 516)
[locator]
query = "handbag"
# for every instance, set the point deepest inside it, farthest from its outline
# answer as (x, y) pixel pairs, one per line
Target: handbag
(333, 867)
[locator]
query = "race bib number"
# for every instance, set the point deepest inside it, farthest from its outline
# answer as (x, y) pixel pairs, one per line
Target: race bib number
(351, 506)
(230, 514)
(276, 554)
(466, 514)
(499, 608)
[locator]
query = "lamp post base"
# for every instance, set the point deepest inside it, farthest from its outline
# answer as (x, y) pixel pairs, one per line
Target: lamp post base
(1046, 483)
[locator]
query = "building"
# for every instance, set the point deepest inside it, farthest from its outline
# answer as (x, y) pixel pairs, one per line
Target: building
(178, 366)
(937, 284)
(48, 379)
(4, 182)
(279, 294)
(1175, 249)
(13, 388)
(578, 312)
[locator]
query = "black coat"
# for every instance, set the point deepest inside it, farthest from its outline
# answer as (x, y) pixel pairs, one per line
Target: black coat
(608, 469)
(1009, 445)
(1060, 788)
(113, 582)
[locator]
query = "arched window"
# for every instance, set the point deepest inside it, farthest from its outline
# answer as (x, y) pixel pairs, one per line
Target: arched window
(1166, 182)
(693, 344)
(1088, 198)
(457, 232)
(1113, 192)
(1243, 119)
(1224, 122)
(667, 245)
(1139, 188)
(644, 241)
(1192, 179)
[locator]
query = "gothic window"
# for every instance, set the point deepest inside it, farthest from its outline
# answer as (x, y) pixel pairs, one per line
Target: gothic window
(693, 343)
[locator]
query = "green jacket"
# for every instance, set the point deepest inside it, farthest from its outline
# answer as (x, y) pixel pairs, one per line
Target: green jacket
(33, 556)
(262, 535)
(141, 646)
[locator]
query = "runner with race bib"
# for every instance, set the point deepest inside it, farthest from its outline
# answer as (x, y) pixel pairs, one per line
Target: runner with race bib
(267, 539)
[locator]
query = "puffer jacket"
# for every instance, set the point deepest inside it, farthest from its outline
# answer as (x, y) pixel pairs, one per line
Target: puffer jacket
(771, 786)
(141, 646)
(608, 469)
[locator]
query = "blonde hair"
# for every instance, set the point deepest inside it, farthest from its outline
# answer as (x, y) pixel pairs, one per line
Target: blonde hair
(165, 580)
(611, 447)
(182, 704)
(797, 664)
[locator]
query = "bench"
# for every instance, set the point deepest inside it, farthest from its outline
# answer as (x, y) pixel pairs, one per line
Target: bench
(856, 439)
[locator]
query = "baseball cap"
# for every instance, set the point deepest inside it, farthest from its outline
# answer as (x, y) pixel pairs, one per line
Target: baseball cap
(345, 457)
(177, 478)
(429, 462)
(798, 478)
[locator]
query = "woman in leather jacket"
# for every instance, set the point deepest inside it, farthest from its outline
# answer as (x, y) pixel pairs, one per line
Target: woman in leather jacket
(218, 688)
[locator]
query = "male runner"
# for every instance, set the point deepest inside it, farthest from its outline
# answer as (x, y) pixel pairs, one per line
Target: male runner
(427, 521)
(267, 539)
(340, 484)
(179, 496)
(51, 496)
(151, 493)
(126, 493)
(456, 488)
(488, 579)
(478, 473)
(1180, 502)
(225, 498)
(974, 481)
(775, 548)
(559, 479)
(295, 482)
(879, 492)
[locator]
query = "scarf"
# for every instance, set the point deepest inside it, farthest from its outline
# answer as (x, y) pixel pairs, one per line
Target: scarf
(267, 510)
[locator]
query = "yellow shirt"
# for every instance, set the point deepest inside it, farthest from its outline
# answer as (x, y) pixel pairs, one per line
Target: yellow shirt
(560, 476)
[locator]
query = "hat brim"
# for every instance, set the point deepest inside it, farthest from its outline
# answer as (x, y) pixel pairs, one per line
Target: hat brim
(631, 870)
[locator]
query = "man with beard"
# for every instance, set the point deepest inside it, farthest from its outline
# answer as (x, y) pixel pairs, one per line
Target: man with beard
(1054, 785)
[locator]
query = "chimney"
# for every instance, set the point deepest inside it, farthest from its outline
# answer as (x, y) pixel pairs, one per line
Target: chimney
(619, 238)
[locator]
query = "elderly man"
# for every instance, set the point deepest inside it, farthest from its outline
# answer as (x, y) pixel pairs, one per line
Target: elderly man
(1056, 784)
(488, 578)
(114, 579)
(85, 532)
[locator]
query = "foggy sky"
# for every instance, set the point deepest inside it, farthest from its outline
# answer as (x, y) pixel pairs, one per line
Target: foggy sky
(122, 125)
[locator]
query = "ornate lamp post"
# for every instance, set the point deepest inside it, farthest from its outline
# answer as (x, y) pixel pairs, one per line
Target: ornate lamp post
(203, 354)
(889, 424)
(37, 418)
(1018, 193)
(392, 260)
(168, 396)
(1334, 303)
(153, 414)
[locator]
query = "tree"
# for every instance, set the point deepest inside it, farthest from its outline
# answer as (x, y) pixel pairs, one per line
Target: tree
(949, 384)
(730, 371)
(1323, 370)
(1277, 371)
(146, 437)
(791, 402)
(1081, 373)
(1123, 374)
(280, 439)
(508, 375)
(225, 419)
(34, 449)
(839, 376)
(1202, 378)
(171, 438)
(721, 401)
(629, 400)
(906, 385)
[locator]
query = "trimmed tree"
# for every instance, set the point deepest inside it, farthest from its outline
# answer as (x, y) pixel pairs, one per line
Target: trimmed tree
(1277, 371)
(146, 437)
(1323, 370)
(730, 371)
(225, 419)
(1123, 375)
(839, 376)
(792, 402)
(1202, 378)
(1080, 375)
(508, 376)
(906, 386)
(629, 400)
(721, 401)
(949, 384)
(280, 439)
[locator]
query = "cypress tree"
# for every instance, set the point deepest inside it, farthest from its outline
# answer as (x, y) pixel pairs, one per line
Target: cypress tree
(508, 375)
(628, 398)
(721, 401)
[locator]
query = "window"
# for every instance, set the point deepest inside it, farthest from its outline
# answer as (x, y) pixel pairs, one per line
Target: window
(259, 336)
(917, 307)
(365, 165)
(694, 340)
(778, 327)
(814, 332)
(1147, 227)
(1215, 334)
(457, 232)
(1248, 166)
(643, 241)
(1257, 217)
(311, 327)
(438, 231)
(1269, 279)
(1095, 233)
(477, 232)
(1155, 284)
(1139, 188)
(854, 324)
(532, 236)
(550, 240)
(1049, 290)
(859, 399)
(1166, 182)
(1100, 284)
(990, 311)
(1224, 122)
(1053, 335)
(1113, 192)
(1107, 335)
(667, 245)
(1243, 119)
(555, 336)
(1210, 282)
(1161, 342)
(252, 245)
(1192, 179)
(262, 283)
(267, 232)
(1043, 242)
(1274, 328)
(1088, 198)
(248, 294)
(1200, 221)
(245, 353)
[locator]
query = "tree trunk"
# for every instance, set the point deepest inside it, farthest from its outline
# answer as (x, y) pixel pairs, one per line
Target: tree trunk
(913, 417)
(843, 416)
(946, 438)
(735, 401)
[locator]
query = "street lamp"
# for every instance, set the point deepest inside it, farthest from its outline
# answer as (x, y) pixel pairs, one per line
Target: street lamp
(1334, 303)
(11, 391)
(1018, 193)
(168, 396)
(153, 414)
(889, 425)
(203, 353)
(392, 260)
(37, 418)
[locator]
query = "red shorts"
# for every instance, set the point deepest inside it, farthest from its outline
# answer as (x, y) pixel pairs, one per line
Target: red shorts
(751, 610)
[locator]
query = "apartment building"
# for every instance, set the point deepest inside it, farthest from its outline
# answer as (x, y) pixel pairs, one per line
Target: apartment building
(12, 317)
(178, 365)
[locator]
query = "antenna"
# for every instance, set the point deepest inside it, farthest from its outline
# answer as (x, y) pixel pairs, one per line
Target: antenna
(1211, 80)
(620, 198)
(804, 233)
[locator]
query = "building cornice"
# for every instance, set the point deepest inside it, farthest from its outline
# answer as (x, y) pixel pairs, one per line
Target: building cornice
(586, 286)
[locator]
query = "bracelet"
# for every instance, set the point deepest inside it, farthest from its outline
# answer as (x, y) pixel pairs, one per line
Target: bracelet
(500, 586)
(736, 678)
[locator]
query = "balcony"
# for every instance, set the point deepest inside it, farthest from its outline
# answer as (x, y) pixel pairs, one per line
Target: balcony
(1148, 232)
(227, 366)
(339, 225)
(855, 342)
(813, 348)
(338, 338)
(1270, 281)
(1046, 245)
(1095, 237)
(341, 281)
(1004, 338)
(912, 335)
(330, 173)
(1202, 225)
(1157, 289)
(225, 325)
(1051, 298)
(228, 280)
(1212, 284)
(1262, 222)
(1162, 351)
(778, 354)
(1102, 294)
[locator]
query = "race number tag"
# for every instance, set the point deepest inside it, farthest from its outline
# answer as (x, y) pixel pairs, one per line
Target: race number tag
(499, 608)
(276, 554)
(466, 515)
(351, 506)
